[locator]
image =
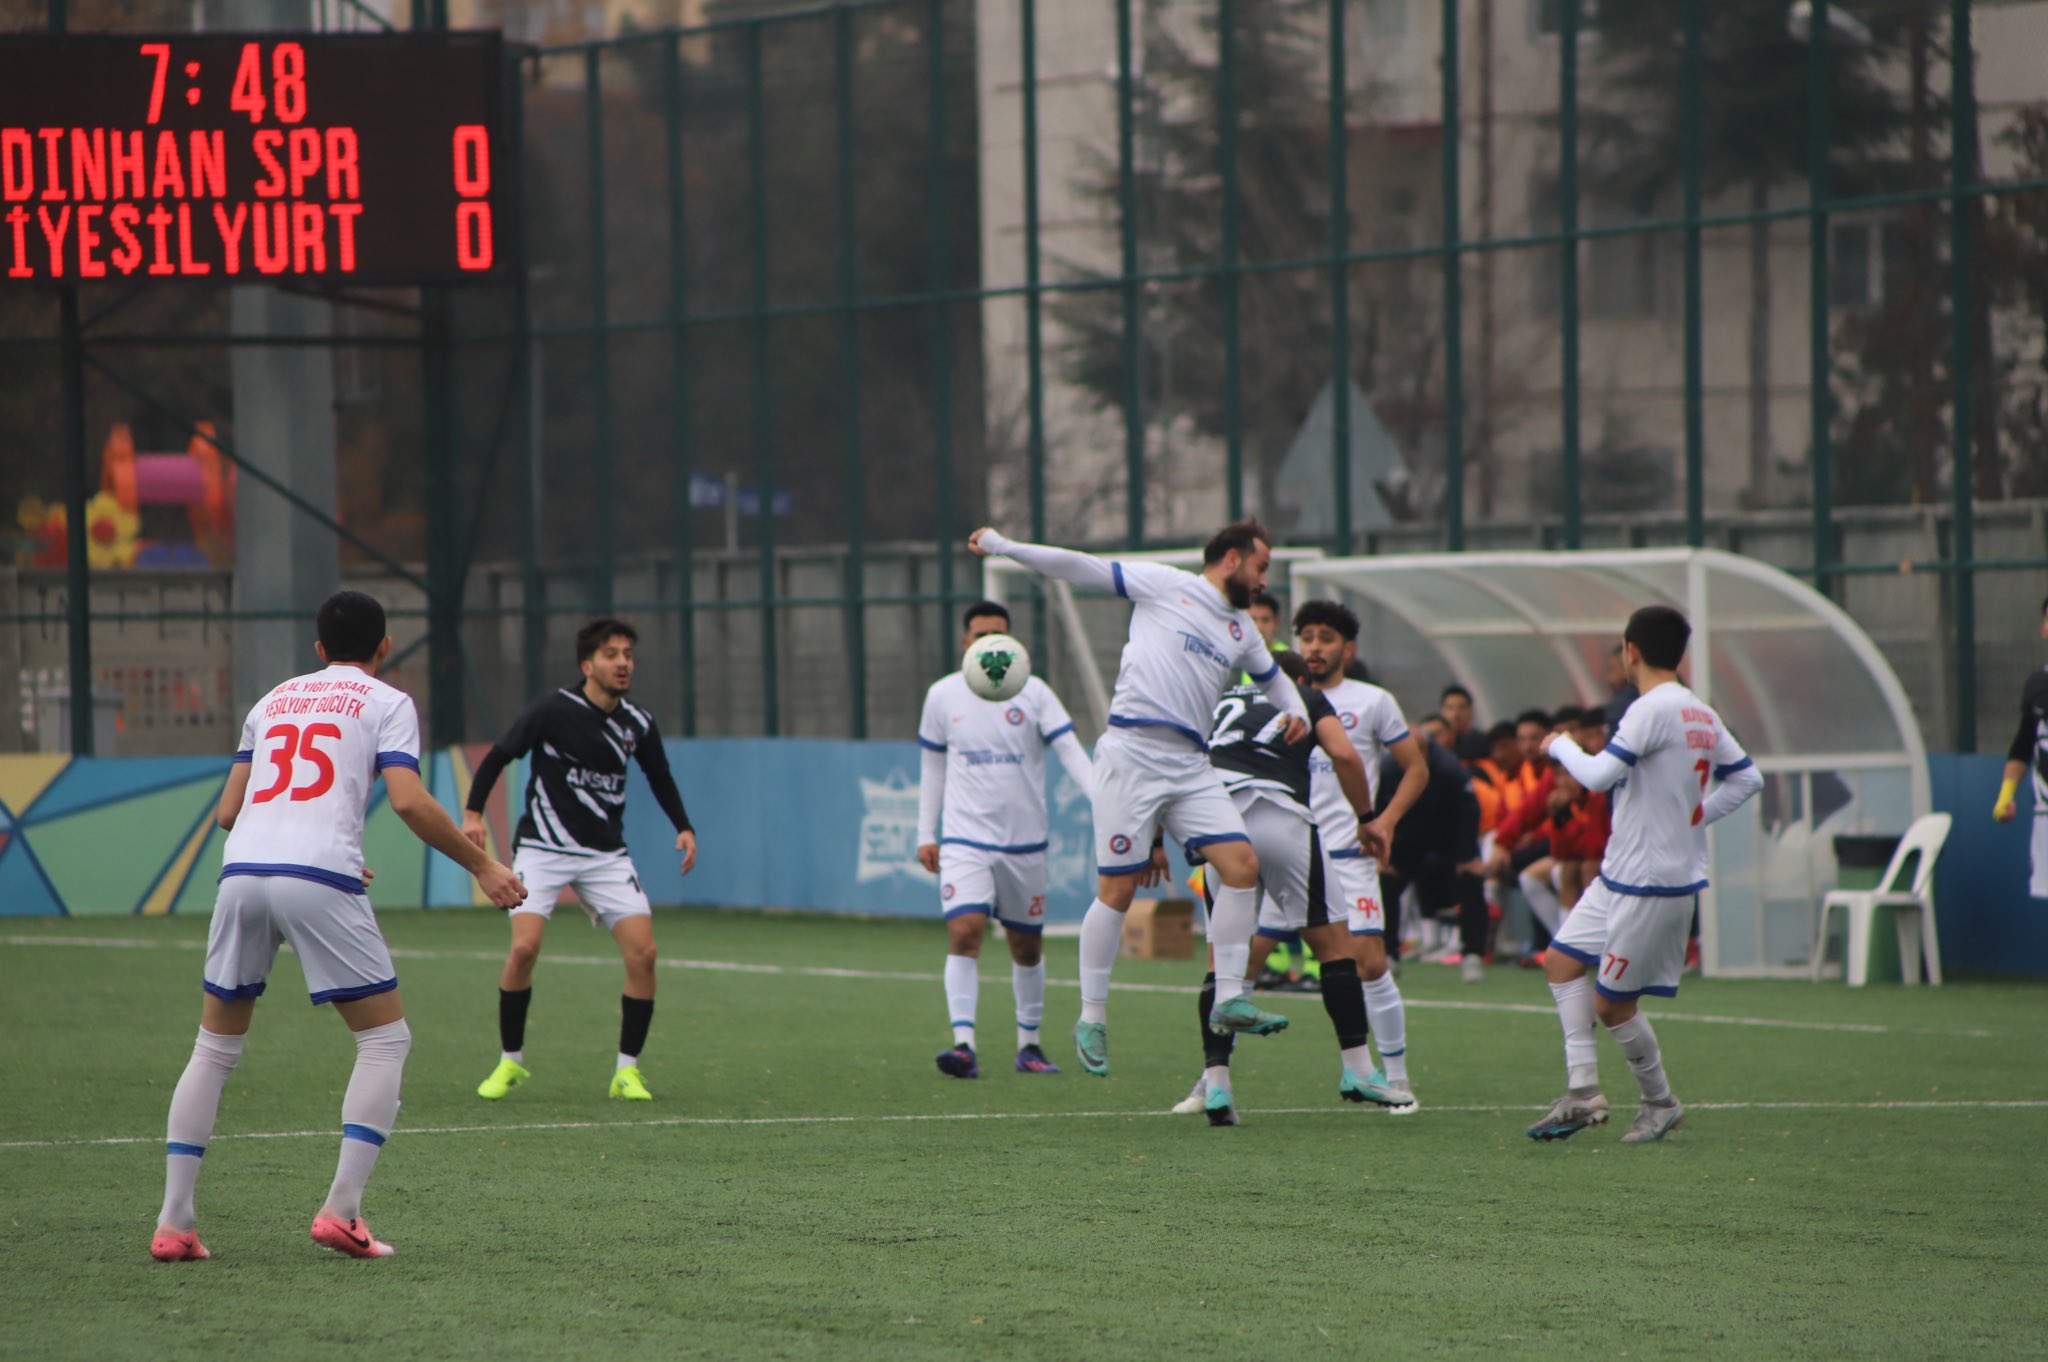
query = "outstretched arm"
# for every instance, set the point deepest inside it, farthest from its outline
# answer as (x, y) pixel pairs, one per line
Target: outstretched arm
(430, 823)
(1077, 569)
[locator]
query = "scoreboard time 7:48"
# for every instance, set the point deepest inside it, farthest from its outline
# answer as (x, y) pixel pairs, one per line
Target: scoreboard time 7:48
(245, 157)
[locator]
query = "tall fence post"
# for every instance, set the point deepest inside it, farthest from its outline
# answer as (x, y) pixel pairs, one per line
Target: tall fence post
(1695, 339)
(1454, 294)
(940, 279)
(853, 479)
(1226, 166)
(682, 452)
(764, 408)
(1568, 265)
(77, 570)
(1034, 307)
(1340, 281)
(533, 619)
(1127, 213)
(1962, 176)
(600, 335)
(1818, 355)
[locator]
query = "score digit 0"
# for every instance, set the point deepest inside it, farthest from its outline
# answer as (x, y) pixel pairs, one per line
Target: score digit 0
(473, 246)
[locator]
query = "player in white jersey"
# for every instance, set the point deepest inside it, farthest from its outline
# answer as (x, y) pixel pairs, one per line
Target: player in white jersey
(1630, 926)
(1326, 633)
(294, 873)
(1189, 639)
(984, 772)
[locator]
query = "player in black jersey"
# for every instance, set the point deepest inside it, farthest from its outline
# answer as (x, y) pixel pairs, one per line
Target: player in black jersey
(572, 835)
(1268, 779)
(2029, 754)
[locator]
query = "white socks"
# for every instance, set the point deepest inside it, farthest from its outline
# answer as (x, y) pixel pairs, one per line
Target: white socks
(1639, 1043)
(1217, 1077)
(1575, 1015)
(1027, 983)
(1358, 1060)
(963, 992)
(1389, 1022)
(1233, 917)
(516, 1056)
(369, 1109)
(1102, 934)
(1543, 901)
(194, 1105)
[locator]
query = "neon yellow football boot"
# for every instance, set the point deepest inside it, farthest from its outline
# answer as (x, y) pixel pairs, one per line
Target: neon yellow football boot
(503, 1079)
(627, 1084)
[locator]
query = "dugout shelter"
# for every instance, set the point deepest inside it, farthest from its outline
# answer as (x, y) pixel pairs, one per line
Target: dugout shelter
(1800, 684)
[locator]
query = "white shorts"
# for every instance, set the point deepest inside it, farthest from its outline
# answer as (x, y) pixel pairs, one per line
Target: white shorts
(1352, 878)
(333, 932)
(1008, 885)
(2038, 885)
(1290, 867)
(1144, 783)
(604, 880)
(1635, 942)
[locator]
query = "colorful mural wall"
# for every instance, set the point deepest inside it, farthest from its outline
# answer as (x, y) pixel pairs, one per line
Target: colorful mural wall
(128, 835)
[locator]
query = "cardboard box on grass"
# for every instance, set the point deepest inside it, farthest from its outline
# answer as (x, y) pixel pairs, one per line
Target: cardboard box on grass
(1160, 929)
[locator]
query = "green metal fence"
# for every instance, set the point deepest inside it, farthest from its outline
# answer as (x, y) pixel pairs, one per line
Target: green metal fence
(809, 293)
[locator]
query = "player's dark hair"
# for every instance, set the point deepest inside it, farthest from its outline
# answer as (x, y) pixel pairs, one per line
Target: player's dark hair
(1454, 689)
(1504, 731)
(1566, 714)
(1532, 716)
(1356, 670)
(1268, 600)
(1292, 663)
(1661, 633)
(1331, 615)
(1593, 717)
(599, 632)
(350, 626)
(1433, 719)
(983, 608)
(1238, 535)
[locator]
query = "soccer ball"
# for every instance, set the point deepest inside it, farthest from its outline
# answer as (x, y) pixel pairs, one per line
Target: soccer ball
(996, 667)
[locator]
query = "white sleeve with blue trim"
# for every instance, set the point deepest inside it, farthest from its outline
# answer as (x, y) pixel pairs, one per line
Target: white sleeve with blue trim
(1146, 581)
(1641, 732)
(398, 734)
(1074, 757)
(1077, 569)
(1596, 773)
(1739, 779)
(1388, 725)
(931, 725)
(1257, 662)
(1053, 719)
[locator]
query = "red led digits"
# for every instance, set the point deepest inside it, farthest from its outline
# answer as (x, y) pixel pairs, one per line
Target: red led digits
(149, 157)
(473, 246)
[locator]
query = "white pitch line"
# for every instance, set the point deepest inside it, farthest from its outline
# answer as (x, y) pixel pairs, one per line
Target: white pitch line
(900, 1118)
(915, 977)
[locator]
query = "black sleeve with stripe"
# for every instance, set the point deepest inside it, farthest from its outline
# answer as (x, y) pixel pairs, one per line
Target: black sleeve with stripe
(517, 742)
(653, 759)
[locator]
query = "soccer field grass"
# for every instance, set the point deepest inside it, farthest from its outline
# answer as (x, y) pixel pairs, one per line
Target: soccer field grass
(1861, 1175)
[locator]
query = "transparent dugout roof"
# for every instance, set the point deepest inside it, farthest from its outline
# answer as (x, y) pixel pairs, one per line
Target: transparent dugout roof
(1799, 682)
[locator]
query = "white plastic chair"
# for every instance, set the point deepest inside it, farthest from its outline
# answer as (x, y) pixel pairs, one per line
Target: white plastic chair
(1912, 907)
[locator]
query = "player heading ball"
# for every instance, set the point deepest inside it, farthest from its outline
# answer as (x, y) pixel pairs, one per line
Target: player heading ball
(1190, 637)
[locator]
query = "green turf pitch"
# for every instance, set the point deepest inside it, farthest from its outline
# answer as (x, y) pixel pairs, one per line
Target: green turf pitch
(807, 1185)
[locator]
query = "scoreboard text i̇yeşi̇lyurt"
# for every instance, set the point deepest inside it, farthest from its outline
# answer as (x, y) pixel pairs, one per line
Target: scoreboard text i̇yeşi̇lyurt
(220, 156)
